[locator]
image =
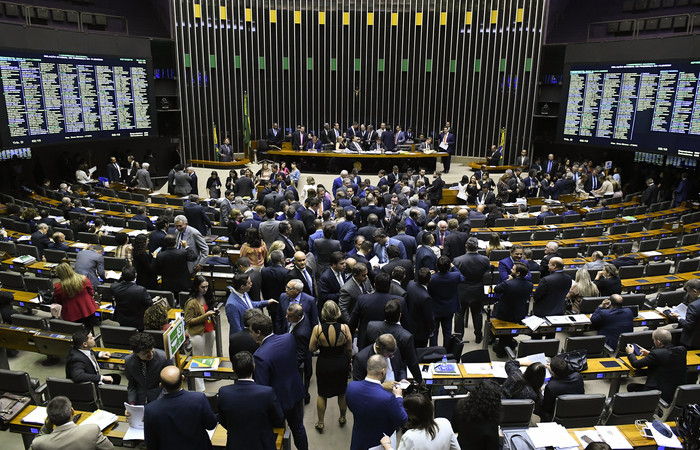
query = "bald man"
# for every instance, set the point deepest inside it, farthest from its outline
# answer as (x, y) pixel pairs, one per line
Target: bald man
(179, 419)
(551, 292)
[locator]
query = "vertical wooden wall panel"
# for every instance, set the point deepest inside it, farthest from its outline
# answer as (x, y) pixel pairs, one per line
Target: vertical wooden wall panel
(414, 63)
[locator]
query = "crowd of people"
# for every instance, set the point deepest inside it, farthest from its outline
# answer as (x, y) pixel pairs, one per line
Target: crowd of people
(380, 264)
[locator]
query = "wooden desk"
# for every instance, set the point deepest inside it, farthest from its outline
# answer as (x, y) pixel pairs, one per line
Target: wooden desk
(223, 372)
(117, 358)
(630, 432)
(596, 371)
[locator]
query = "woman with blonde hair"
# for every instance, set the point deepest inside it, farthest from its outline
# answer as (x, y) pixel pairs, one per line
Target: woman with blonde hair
(581, 287)
(494, 243)
(277, 245)
(75, 295)
(334, 341)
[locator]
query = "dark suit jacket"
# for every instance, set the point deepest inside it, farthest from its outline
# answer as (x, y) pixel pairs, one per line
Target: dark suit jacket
(421, 312)
(435, 191)
(276, 366)
(196, 218)
(295, 273)
(443, 289)
(308, 303)
(666, 369)
(514, 301)
(409, 244)
(79, 368)
(425, 257)
(322, 249)
(650, 195)
(690, 336)
(367, 231)
(297, 142)
(371, 209)
(145, 271)
(171, 264)
(404, 341)
(241, 341)
(155, 240)
(239, 234)
(275, 139)
(455, 244)
(489, 198)
(302, 336)
(179, 420)
(328, 287)
(249, 412)
(244, 187)
(550, 294)
(130, 303)
(40, 241)
(359, 364)
(393, 263)
(377, 413)
(369, 307)
(571, 384)
(612, 322)
(388, 141)
(273, 281)
(146, 389)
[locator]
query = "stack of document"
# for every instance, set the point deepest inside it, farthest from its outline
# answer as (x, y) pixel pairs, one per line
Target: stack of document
(551, 434)
(37, 417)
(135, 431)
(681, 309)
(24, 259)
(569, 319)
(478, 368)
(534, 322)
(200, 364)
(101, 418)
(613, 437)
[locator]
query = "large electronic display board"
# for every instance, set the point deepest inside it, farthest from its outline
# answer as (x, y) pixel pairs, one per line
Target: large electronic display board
(54, 97)
(651, 106)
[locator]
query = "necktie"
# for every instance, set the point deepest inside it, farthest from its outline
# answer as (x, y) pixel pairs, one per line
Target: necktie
(389, 371)
(396, 139)
(308, 278)
(340, 280)
(549, 167)
(94, 362)
(301, 136)
(246, 300)
(180, 236)
(444, 139)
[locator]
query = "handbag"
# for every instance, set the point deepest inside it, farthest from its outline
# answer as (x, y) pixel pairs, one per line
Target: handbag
(10, 406)
(576, 360)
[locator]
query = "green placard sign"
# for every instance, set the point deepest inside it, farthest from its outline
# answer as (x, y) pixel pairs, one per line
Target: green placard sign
(174, 337)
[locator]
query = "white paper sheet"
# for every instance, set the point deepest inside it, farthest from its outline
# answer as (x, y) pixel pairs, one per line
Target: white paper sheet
(613, 437)
(534, 322)
(133, 434)
(478, 368)
(101, 418)
(499, 369)
(38, 416)
(663, 441)
(393, 443)
(136, 415)
(681, 309)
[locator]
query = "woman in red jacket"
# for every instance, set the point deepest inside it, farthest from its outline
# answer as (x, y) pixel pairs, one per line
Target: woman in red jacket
(74, 293)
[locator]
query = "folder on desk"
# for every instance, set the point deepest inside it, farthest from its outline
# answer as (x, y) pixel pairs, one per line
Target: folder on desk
(200, 364)
(37, 417)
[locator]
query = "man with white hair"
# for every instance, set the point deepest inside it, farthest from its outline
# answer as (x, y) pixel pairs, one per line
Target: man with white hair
(193, 239)
(550, 251)
(143, 177)
(338, 182)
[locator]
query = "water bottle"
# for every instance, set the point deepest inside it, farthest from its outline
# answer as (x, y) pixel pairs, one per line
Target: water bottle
(444, 361)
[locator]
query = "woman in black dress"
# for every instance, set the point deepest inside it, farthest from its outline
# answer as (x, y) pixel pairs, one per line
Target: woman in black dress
(333, 365)
(143, 263)
(608, 281)
(214, 185)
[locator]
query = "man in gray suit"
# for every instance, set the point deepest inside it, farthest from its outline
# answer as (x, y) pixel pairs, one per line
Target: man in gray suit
(67, 434)
(181, 181)
(269, 229)
(356, 286)
(227, 207)
(143, 177)
(194, 240)
(91, 263)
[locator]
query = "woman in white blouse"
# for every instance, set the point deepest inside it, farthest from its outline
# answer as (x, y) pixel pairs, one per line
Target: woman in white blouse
(81, 175)
(606, 188)
(424, 431)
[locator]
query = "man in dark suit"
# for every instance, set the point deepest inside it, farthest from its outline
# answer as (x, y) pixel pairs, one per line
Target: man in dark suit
(371, 208)
(293, 295)
(244, 186)
(371, 307)
(523, 159)
(196, 217)
(563, 381)
(275, 136)
(310, 214)
(248, 222)
(332, 280)
(419, 307)
(690, 336)
(377, 411)
(550, 166)
(368, 230)
(300, 272)
(485, 196)
(620, 259)
(155, 238)
(59, 243)
(544, 212)
(352, 131)
(425, 257)
(40, 240)
(551, 250)
(327, 136)
(387, 138)
(130, 300)
(408, 241)
(273, 281)
(324, 247)
(404, 339)
(550, 295)
(650, 194)
(385, 346)
(394, 255)
(611, 319)
(506, 264)
(242, 340)
(180, 418)
(665, 363)
(114, 172)
(593, 182)
(50, 221)
(446, 143)
(356, 286)
(141, 216)
(171, 264)
(82, 365)
(435, 189)
(299, 139)
(455, 242)
(276, 366)
(514, 301)
(473, 267)
(249, 411)
(143, 369)
(300, 327)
